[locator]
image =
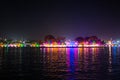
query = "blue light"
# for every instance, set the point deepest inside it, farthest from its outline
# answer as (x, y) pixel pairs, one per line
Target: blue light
(72, 59)
(114, 54)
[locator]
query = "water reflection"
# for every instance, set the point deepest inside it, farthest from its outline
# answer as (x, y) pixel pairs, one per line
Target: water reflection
(78, 62)
(60, 63)
(110, 60)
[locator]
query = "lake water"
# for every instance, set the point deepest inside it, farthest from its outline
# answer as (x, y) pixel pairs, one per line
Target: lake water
(60, 63)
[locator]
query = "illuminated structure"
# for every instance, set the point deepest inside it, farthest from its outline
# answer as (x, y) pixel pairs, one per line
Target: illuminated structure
(52, 42)
(66, 44)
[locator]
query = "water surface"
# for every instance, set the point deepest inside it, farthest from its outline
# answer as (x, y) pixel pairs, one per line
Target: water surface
(60, 63)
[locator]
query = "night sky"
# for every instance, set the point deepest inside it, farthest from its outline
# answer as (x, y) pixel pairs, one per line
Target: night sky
(69, 18)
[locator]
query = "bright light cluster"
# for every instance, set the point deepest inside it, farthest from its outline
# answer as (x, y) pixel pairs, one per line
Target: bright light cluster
(13, 45)
(66, 44)
(47, 45)
(51, 41)
(69, 44)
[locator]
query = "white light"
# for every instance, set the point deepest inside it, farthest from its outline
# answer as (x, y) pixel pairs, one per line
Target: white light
(118, 41)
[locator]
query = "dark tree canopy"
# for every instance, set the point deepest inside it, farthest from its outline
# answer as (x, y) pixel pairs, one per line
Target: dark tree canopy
(49, 38)
(79, 39)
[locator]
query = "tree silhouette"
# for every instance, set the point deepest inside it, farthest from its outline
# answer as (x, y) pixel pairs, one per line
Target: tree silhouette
(49, 38)
(79, 39)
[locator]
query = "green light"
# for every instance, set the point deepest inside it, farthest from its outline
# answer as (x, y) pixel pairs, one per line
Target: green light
(21, 45)
(37, 45)
(5, 45)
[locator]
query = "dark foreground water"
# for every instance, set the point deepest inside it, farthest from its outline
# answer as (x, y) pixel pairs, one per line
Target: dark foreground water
(60, 63)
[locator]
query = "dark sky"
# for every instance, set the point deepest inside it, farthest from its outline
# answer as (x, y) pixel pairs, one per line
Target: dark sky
(69, 18)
